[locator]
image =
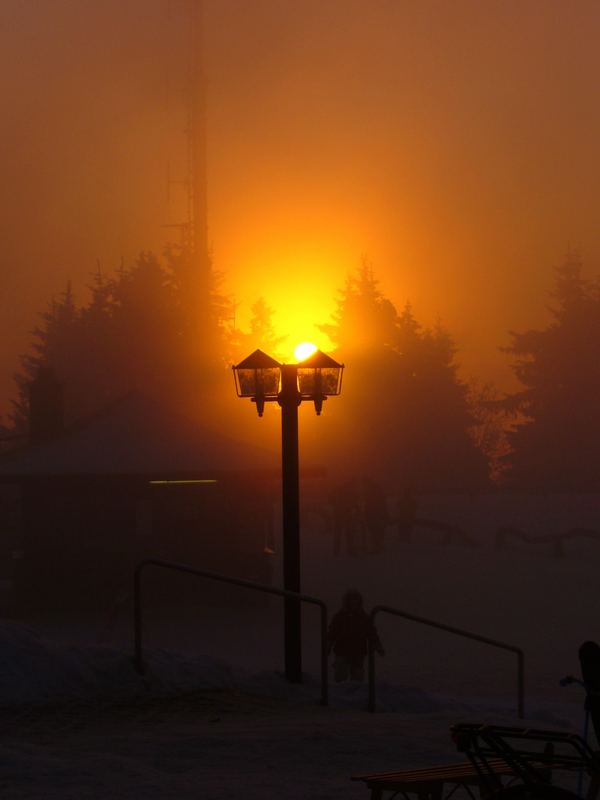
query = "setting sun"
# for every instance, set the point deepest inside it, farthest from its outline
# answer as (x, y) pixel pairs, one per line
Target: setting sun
(304, 350)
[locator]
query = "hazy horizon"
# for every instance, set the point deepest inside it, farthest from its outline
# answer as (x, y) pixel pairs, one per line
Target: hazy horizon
(453, 145)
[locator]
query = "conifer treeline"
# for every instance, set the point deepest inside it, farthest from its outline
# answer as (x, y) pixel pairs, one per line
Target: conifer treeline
(555, 439)
(157, 328)
(409, 410)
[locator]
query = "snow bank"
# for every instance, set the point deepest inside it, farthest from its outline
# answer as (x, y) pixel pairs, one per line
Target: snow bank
(34, 670)
(415, 701)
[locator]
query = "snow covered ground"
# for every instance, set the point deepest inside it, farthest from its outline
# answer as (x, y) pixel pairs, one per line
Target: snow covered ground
(263, 739)
(78, 722)
(213, 719)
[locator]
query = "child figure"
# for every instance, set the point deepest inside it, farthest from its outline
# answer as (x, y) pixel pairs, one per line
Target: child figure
(350, 631)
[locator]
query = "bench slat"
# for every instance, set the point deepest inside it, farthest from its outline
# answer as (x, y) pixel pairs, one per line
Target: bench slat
(437, 774)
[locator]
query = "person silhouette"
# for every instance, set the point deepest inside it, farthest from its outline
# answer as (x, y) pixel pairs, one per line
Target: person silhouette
(359, 516)
(350, 632)
(372, 512)
(406, 513)
(342, 504)
(589, 658)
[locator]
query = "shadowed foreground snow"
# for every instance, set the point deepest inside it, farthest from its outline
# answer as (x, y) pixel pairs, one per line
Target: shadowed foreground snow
(212, 719)
(78, 722)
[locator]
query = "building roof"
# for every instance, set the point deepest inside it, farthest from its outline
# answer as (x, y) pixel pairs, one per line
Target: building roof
(136, 436)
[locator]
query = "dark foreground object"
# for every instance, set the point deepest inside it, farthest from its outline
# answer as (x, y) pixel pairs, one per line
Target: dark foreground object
(430, 782)
(505, 763)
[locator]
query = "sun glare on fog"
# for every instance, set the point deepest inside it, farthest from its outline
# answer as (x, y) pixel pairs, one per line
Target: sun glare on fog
(304, 350)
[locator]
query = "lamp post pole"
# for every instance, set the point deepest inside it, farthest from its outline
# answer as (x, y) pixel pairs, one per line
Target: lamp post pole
(262, 379)
(289, 399)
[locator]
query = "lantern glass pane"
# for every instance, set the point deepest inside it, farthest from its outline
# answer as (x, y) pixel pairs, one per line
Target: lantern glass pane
(319, 381)
(258, 382)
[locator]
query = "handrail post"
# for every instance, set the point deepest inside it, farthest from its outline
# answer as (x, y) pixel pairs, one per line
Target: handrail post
(137, 618)
(371, 674)
(521, 683)
(324, 660)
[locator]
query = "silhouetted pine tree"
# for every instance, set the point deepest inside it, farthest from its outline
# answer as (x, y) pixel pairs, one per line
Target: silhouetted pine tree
(141, 330)
(203, 311)
(56, 343)
(262, 335)
(7, 436)
(557, 443)
(364, 319)
(405, 411)
(490, 426)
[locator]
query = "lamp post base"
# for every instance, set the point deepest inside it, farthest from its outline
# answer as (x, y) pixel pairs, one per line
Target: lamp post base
(293, 640)
(289, 400)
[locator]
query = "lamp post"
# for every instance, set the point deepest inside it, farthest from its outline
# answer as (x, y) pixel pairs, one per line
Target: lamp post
(263, 379)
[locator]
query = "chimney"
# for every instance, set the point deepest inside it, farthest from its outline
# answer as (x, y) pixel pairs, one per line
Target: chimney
(46, 406)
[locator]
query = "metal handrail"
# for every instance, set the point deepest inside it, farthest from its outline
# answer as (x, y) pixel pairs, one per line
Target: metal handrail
(458, 632)
(257, 587)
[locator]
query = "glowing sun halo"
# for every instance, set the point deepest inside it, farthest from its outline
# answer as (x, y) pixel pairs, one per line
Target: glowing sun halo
(304, 350)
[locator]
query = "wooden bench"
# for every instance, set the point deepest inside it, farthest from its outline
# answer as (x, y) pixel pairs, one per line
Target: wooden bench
(430, 783)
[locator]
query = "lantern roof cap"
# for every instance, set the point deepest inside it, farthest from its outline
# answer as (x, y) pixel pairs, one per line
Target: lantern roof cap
(257, 360)
(319, 360)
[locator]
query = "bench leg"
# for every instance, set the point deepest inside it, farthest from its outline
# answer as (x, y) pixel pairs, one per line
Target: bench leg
(435, 793)
(592, 792)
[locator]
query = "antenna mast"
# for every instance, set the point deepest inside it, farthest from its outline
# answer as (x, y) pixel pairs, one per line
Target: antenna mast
(196, 136)
(185, 22)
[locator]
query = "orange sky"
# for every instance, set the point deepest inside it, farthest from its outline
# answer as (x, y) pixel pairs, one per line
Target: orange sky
(453, 144)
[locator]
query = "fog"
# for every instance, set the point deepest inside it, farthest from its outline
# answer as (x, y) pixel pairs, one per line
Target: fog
(453, 144)
(410, 186)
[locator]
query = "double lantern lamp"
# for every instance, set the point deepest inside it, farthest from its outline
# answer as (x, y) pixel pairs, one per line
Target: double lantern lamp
(262, 379)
